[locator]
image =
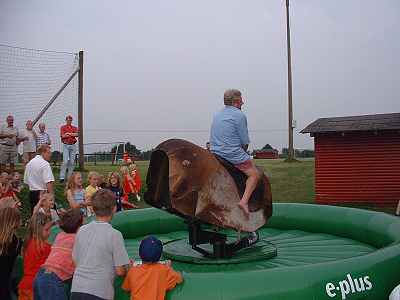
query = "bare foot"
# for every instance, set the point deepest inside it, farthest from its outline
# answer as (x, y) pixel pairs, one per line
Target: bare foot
(245, 208)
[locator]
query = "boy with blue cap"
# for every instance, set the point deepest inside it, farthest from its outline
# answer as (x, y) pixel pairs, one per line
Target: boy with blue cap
(151, 280)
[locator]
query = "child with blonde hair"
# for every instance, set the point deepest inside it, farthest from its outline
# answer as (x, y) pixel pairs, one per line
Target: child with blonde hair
(92, 188)
(75, 192)
(35, 251)
(10, 247)
(46, 206)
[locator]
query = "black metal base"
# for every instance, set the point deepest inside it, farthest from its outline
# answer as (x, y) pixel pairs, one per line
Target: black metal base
(221, 249)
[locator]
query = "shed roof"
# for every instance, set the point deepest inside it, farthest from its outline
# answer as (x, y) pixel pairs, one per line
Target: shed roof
(355, 123)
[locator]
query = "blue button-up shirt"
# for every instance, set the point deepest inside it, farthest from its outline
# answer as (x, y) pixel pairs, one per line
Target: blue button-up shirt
(228, 133)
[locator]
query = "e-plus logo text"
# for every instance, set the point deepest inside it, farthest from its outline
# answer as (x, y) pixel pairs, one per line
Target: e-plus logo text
(348, 285)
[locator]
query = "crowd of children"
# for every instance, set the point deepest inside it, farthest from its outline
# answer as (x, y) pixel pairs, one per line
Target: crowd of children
(91, 255)
(122, 185)
(83, 260)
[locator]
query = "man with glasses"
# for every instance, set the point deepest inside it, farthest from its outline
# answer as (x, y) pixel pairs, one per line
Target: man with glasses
(229, 139)
(9, 140)
(69, 134)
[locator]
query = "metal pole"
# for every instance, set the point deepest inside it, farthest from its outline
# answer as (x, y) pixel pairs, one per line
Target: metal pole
(290, 103)
(80, 112)
(42, 112)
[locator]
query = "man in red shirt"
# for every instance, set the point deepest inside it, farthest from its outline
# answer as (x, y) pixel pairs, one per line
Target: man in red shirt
(69, 134)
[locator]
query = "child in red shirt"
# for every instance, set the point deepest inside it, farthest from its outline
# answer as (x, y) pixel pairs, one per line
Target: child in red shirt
(152, 279)
(132, 182)
(35, 251)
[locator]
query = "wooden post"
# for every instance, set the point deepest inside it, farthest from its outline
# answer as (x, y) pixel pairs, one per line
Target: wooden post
(80, 112)
(290, 103)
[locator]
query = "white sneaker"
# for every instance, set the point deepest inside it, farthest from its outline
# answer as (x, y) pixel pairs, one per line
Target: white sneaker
(253, 238)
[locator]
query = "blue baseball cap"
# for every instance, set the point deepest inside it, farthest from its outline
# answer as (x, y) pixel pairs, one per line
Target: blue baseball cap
(150, 249)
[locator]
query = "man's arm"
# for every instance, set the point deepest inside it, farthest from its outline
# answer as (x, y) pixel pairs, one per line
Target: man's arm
(6, 136)
(48, 177)
(74, 134)
(120, 271)
(49, 187)
(243, 132)
(120, 256)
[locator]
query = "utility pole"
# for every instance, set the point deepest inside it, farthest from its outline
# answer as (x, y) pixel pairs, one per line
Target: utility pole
(290, 103)
(80, 112)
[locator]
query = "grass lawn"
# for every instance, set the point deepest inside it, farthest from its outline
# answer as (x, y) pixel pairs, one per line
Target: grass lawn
(291, 182)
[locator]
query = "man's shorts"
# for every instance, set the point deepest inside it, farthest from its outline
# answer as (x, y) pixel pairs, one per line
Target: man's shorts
(8, 154)
(244, 166)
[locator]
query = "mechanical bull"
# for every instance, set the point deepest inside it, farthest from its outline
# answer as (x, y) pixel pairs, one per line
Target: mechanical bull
(191, 182)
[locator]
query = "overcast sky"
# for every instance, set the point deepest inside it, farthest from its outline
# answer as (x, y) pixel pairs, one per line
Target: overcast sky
(162, 66)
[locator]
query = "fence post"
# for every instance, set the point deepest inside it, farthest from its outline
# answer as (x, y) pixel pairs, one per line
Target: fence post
(80, 112)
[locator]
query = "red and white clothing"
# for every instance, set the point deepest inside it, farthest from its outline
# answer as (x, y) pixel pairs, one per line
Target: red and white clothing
(70, 140)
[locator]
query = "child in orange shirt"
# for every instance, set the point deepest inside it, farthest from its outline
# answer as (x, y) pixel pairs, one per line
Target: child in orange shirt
(152, 279)
(35, 251)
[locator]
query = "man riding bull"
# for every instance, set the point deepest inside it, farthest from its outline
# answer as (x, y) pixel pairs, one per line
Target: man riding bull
(229, 139)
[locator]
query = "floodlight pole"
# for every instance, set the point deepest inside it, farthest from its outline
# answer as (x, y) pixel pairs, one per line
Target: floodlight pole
(290, 103)
(80, 112)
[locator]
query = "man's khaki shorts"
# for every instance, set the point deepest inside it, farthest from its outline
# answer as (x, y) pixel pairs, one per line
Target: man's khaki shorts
(8, 154)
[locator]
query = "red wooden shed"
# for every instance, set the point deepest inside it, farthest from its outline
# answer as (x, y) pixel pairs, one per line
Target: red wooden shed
(266, 154)
(357, 159)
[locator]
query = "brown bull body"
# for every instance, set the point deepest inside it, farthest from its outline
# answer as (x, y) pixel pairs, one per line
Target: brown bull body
(191, 182)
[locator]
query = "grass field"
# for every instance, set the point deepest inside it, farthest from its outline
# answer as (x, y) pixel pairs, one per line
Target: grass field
(290, 182)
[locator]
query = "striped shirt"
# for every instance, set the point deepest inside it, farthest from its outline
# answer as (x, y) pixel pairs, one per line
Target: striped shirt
(42, 138)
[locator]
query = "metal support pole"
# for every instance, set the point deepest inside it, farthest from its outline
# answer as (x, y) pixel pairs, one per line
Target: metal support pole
(80, 112)
(290, 103)
(44, 109)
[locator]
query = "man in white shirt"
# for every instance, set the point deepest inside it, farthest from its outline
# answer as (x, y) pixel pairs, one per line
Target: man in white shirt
(28, 138)
(38, 175)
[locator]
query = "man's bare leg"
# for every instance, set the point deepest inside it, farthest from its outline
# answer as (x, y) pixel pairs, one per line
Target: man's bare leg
(253, 176)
